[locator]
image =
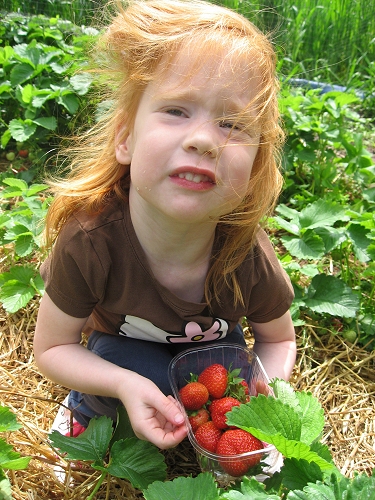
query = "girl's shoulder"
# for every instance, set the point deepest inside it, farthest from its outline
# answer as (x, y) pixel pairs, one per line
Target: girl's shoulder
(112, 212)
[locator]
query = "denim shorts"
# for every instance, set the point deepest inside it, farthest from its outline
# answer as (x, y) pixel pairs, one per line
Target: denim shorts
(149, 359)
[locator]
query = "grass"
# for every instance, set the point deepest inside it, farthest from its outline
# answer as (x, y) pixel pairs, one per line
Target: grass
(316, 39)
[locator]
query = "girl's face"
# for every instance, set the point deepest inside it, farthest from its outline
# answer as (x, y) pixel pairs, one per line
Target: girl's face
(186, 162)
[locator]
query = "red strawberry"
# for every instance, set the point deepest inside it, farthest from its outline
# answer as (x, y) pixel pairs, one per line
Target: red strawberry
(219, 408)
(208, 435)
(197, 418)
(193, 395)
(234, 442)
(215, 378)
(245, 386)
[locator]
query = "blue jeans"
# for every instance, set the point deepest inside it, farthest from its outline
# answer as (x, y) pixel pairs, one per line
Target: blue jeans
(149, 359)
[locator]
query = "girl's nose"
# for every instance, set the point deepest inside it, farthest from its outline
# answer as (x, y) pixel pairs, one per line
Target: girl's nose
(202, 139)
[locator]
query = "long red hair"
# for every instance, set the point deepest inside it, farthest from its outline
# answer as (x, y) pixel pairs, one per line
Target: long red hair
(141, 35)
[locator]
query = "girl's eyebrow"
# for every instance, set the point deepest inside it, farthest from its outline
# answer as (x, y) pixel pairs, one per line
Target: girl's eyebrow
(231, 104)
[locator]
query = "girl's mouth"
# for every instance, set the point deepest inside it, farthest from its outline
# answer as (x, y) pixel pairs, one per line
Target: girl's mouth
(197, 178)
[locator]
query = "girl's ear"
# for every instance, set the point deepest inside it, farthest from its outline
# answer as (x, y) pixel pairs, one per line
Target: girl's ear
(123, 147)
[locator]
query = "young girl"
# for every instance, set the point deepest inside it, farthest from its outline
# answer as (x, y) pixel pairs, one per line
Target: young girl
(155, 229)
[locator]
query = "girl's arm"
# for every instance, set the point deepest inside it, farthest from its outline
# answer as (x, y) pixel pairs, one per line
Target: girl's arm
(275, 344)
(60, 357)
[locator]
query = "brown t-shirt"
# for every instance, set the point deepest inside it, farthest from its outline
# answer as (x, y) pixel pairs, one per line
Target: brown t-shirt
(97, 269)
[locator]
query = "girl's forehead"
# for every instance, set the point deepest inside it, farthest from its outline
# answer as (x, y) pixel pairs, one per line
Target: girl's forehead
(222, 72)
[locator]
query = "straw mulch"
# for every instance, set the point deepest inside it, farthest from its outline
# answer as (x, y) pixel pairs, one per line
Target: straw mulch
(341, 376)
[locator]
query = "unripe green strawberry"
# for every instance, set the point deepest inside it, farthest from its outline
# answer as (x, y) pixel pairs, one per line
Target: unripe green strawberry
(234, 442)
(193, 395)
(208, 435)
(215, 378)
(218, 409)
(198, 417)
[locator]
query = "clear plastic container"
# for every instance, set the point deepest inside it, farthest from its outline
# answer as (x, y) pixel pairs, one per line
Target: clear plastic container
(231, 356)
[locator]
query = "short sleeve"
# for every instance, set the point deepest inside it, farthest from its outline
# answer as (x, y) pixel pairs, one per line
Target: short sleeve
(271, 290)
(73, 273)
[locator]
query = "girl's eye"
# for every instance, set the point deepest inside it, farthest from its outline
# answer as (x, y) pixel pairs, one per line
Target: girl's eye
(229, 125)
(174, 112)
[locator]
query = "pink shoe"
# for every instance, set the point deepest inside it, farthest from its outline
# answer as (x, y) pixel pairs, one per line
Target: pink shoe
(68, 426)
(63, 420)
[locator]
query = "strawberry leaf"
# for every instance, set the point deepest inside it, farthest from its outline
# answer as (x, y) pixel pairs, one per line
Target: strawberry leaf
(318, 491)
(312, 417)
(10, 459)
(285, 392)
(8, 420)
(202, 487)
(269, 415)
(91, 445)
(123, 429)
(304, 403)
(298, 473)
(250, 489)
(5, 487)
(138, 461)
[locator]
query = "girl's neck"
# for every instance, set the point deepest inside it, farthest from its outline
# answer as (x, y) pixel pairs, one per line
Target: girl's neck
(178, 254)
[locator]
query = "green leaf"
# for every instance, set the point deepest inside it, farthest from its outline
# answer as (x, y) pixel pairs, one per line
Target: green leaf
(8, 420)
(15, 295)
(6, 53)
(361, 488)
(328, 294)
(138, 461)
(331, 237)
(309, 246)
(27, 93)
(10, 459)
(312, 417)
(91, 445)
(202, 487)
(29, 53)
(285, 393)
(81, 83)
(18, 183)
(69, 101)
(23, 274)
(50, 122)
(358, 235)
(5, 138)
(24, 245)
(5, 487)
(250, 489)
(290, 227)
(298, 473)
(123, 429)
(322, 450)
(318, 491)
(20, 73)
(21, 130)
(43, 95)
(38, 284)
(321, 213)
(269, 415)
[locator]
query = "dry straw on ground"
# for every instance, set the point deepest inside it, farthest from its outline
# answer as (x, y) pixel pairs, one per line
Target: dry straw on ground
(341, 376)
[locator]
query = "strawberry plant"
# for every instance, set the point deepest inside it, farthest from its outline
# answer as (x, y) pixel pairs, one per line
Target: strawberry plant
(40, 86)
(23, 208)
(9, 459)
(292, 421)
(113, 452)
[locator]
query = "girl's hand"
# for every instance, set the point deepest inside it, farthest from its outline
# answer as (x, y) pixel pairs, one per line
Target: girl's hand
(154, 416)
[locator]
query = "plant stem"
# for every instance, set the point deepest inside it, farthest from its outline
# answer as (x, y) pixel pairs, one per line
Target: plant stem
(97, 486)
